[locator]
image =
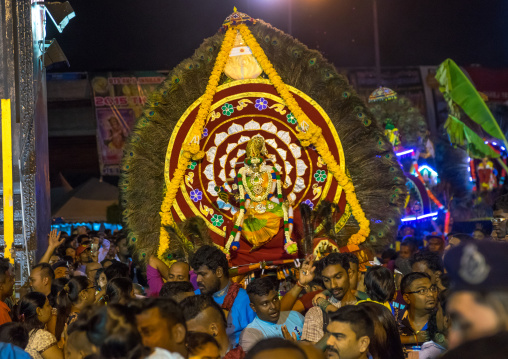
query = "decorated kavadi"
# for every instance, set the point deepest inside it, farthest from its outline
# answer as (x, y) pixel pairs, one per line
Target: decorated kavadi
(242, 134)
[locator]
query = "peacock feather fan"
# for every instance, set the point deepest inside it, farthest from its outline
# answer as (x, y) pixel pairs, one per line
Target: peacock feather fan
(379, 182)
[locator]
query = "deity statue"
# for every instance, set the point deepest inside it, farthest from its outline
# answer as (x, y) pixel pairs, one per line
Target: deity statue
(261, 202)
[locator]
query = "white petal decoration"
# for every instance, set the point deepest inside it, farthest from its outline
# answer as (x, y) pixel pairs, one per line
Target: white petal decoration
(222, 160)
(240, 153)
(220, 137)
(279, 167)
(289, 167)
(231, 147)
(292, 196)
(296, 150)
(288, 181)
(211, 188)
(232, 173)
(209, 172)
(243, 139)
(269, 127)
(227, 186)
(234, 128)
(282, 153)
(271, 142)
(272, 157)
(284, 136)
(210, 154)
(252, 126)
(232, 162)
(299, 185)
(301, 167)
(222, 175)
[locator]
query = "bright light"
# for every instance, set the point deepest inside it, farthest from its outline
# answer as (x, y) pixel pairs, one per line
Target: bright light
(469, 169)
(494, 143)
(425, 167)
(486, 142)
(404, 153)
(471, 179)
(408, 219)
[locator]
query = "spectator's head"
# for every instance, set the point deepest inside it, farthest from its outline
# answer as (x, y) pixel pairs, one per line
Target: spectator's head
(58, 285)
(83, 254)
(70, 252)
(115, 270)
(61, 269)
(203, 314)
(91, 269)
(335, 273)
(122, 248)
(6, 279)
(41, 278)
(107, 262)
(77, 345)
(316, 284)
(78, 292)
(408, 247)
(385, 344)
(119, 291)
(83, 238)
(177, 291)
(478, 304)
(428, 262)
(419, 292)
(179, 272)
(479, 234)
(264, 299)
(351, 331)
(354, 272)
(202, 345)
(379, 284)
(500, 217)
(406, 230)
(435, 244)
(275, 348)
(100, 279)
(34, 311)
(211, 267)
(111, 328)
(388, 255)
(161, 323)
(14, 333)
(454, 240)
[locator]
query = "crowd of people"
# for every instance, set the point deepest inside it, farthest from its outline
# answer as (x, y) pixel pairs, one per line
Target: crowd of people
(87, 298)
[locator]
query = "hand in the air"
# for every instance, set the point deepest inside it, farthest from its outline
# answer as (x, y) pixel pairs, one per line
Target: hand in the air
(287, 335)
(307, 270)
(54, 240)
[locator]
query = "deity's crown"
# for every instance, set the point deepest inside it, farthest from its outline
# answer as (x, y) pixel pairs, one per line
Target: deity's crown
(256, 147)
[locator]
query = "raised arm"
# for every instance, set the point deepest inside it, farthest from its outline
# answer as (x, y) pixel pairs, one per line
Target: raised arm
(306, 276)
(54, 242)
(160, 266)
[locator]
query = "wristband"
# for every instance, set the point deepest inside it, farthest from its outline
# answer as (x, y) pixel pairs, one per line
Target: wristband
(300, 285)
(323, 304)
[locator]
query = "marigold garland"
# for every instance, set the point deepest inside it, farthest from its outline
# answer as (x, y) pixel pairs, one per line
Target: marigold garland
(192, 150)
(309, 134)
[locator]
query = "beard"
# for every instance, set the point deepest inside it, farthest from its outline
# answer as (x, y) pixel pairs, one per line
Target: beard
(214, 288)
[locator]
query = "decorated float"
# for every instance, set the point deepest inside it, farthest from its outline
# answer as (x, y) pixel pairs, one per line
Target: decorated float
(246, 137)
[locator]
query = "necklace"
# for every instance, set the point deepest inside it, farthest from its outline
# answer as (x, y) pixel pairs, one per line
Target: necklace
(256, 180)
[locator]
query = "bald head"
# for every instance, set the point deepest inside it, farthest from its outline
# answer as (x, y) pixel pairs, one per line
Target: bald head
(179, 272)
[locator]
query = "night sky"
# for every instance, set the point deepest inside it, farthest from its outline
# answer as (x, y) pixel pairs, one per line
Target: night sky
(158, 34)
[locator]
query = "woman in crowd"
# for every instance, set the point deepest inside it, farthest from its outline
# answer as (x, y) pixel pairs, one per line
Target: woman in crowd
(379, 286)
(75, 295)
(386, 342)
(119, 290)
(34, 312)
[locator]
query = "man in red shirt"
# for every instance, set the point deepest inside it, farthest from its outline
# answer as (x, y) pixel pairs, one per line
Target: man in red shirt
(6, 290)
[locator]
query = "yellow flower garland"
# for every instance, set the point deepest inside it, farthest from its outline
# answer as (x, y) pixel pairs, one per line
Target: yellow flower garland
(310, 134)
(192, 150)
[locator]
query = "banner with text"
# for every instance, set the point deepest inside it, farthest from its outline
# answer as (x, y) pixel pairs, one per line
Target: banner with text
(118, 99)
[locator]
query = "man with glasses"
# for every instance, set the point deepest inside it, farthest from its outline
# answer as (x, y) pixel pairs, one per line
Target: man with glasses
(421, 298)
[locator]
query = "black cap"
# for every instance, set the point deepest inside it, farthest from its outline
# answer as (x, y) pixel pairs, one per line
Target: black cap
(478, 266)
(60, 264)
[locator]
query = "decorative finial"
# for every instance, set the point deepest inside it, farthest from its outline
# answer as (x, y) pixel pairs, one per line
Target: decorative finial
(236, 18)
(234, 9)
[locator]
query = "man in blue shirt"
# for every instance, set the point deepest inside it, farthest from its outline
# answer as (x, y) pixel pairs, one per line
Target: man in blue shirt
(211, 267)
(270, 321)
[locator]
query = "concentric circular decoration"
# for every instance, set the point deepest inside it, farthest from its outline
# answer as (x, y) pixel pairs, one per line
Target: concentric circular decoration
(241, 110)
